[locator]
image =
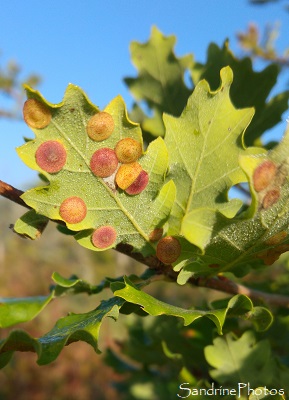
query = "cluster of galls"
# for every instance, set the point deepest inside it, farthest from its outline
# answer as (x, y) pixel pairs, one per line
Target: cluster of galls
(269, 256)
(51, 157)
(267, 181)
(121, 161)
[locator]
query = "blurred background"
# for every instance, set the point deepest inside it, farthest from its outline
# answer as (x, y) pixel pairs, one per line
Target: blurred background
(49, 45)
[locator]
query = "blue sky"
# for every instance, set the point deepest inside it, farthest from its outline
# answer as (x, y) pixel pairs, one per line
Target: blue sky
(87, 43)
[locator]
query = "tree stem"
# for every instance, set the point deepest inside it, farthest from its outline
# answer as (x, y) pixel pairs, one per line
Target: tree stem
(226, 285)
(11, 193)
(217, 283)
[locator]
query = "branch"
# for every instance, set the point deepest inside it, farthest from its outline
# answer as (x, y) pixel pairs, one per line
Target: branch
(217, 283)
(226, 285)
(11, 193)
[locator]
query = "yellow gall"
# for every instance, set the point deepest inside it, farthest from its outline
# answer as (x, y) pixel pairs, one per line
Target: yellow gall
(139, 184)
(127, 174)
(276, 239)
(100, 126)
(103, 162)
(168, 250)
(263, 175)
(36, 114)
(156, 234)
(51, 156)
(271, 197)
(104, 237)
(128, 150)
(73, 210)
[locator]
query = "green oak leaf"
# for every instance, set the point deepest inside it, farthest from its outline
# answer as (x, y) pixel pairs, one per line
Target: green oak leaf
(86, 326)
(240, 360)
(67, 330)
(31, 225)
(16, 310)
(260, 234)
(132, 216)
(249, 88)
(204, 146)
(198, 143)
(75, 285)
(160, 81)
(239, 305)
(18, 340)
(191, 267)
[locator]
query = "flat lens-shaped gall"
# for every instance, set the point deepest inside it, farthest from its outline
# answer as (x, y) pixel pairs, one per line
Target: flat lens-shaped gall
(104, 237)
(168, 249)
(100, 126)
(127, 174)
(73, 210)
(156, 234)
(51, 156)
(271, 197)
(36, 114)
(103, 162)
(139, 184)
(263, 175)
(128, 150)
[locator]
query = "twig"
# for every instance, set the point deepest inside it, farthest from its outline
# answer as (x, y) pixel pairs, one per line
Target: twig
(216, 283)
(226, 285)
(12, 194)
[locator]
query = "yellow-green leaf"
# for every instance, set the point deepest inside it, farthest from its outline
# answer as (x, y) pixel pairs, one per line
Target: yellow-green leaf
(84, 200)
(204, 145)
